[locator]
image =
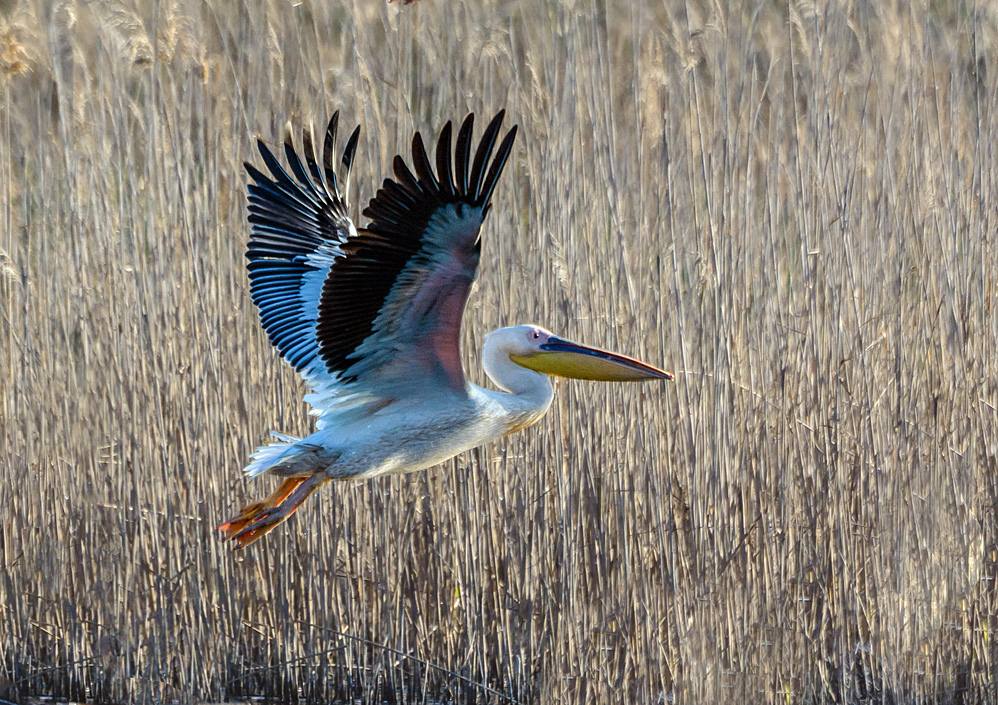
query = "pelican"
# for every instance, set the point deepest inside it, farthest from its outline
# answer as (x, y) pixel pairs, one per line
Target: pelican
(371, 318)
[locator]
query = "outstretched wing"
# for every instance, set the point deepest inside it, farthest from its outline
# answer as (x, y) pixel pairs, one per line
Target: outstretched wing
(370, 315)
(298, 230)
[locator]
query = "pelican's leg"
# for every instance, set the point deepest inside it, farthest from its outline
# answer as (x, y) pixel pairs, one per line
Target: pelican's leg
(255, 520)
(251, 511)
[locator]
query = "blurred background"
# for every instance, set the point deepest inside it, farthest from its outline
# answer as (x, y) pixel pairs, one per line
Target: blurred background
(792, 205)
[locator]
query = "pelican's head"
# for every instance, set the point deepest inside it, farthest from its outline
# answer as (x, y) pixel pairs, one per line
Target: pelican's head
(540, 350)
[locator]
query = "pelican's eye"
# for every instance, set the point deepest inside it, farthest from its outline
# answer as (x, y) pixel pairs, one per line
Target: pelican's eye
(536, 335)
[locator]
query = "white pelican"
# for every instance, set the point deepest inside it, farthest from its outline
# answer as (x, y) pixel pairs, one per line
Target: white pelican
(372, 318)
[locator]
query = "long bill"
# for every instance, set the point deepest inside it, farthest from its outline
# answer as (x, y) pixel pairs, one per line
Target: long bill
(564, 358)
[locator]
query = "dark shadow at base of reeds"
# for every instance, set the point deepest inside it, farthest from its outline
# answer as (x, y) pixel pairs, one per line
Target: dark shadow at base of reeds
(312, 679)
(862, 683)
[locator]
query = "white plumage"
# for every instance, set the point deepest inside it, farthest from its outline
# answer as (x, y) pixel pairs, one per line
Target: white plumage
(371, 318)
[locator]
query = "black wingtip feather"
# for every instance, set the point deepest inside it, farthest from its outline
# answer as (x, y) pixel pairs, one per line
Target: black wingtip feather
(444, 160)
(485, 146)
(278, 173)
(297, 168)
(313, 168)
(405, 177)
(421, 163)
(462, 155)
(422, 187)
(327, 150)
(495, 171)
(348, 154)
(280, 192)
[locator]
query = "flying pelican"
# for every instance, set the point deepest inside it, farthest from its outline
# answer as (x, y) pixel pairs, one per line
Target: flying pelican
(372, 318)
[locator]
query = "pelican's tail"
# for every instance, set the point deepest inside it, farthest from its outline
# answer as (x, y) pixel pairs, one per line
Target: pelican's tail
(278, 457)
(303, 467)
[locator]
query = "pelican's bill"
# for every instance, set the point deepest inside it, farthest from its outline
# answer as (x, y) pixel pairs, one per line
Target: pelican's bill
(563, 358)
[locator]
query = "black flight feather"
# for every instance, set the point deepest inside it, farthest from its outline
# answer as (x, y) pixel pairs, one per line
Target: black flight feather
(400, 213)
(294, 215)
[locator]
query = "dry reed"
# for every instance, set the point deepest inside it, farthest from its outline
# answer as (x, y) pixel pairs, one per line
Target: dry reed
(794, 205)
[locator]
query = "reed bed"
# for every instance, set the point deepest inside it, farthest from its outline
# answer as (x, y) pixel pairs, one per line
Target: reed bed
(795, 206)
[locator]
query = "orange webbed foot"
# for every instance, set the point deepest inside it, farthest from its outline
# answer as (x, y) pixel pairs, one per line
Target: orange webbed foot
(257, 519)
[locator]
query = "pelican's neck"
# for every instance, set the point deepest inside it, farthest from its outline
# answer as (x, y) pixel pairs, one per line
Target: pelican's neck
(527, 395)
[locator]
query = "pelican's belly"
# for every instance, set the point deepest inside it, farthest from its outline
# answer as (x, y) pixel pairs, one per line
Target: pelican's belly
(412, 439)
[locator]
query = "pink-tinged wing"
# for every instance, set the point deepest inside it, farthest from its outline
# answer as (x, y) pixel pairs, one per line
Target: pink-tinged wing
(369, 315)
(391, 308)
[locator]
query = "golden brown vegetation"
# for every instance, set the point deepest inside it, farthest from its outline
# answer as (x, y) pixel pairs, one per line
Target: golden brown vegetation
(794, 206)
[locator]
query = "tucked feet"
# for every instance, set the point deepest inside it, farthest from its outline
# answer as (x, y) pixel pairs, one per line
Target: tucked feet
(257, 519)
